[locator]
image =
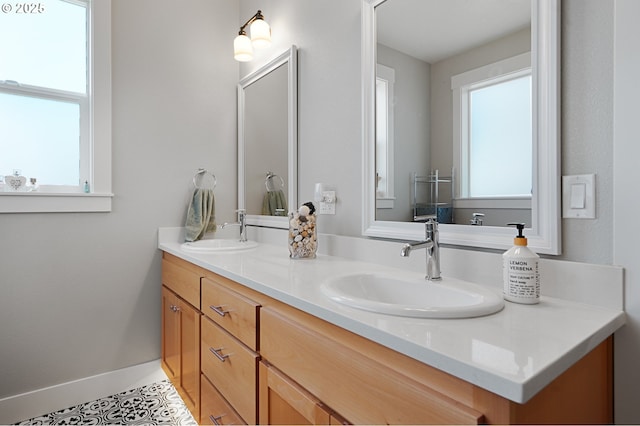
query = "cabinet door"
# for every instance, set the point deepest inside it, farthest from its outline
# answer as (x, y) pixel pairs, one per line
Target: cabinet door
(170, 352)
(283, 402)
(190, 355)
(180, 351)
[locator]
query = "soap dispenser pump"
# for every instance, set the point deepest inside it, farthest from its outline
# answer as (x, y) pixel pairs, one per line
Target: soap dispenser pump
(521, 273)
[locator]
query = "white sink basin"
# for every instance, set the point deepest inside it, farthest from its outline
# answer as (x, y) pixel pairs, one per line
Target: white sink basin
(218, 245)
(448, 298)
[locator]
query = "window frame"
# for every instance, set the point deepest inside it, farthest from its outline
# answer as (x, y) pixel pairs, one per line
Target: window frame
(461, 85)
(96, 168)
(80, 99)
(385, 194)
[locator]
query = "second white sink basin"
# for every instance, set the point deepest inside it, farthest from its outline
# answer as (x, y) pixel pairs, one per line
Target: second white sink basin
(448, 298)
(218, 245)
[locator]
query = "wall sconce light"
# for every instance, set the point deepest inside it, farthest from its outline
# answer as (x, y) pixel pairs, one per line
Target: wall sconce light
(260, 37)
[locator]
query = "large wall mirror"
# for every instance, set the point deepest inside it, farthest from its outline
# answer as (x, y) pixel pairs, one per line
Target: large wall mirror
(461, 120)
(267, 141)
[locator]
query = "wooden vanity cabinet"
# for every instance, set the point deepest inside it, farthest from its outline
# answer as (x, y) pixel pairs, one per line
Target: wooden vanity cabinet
(180, 337)
(238, 356)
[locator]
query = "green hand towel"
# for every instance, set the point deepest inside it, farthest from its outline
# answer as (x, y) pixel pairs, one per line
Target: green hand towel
(274, 201)
(200, 215)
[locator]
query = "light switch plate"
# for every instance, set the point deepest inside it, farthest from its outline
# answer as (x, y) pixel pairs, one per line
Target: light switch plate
(579, 196)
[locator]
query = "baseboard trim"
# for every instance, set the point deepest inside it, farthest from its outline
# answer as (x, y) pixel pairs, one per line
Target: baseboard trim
(27, 405)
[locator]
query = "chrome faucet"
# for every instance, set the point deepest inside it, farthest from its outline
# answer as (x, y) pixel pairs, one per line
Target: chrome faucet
(432, 246)
(477, 219)
(241, 223)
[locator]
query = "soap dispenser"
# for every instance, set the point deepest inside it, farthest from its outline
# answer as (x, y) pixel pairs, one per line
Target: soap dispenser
(521, 273)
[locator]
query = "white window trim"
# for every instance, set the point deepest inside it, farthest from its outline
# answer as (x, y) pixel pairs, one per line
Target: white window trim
(460, 84)
(99, 200)
(387, 198)
(493, 203)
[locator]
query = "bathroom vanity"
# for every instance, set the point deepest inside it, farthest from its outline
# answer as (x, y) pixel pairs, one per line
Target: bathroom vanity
(274, 350)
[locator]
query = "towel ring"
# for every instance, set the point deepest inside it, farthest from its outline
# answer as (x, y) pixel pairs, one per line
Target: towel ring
(204, 180)
(268, 182)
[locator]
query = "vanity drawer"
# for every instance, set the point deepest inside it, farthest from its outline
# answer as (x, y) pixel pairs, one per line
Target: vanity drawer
(213, 407)
(232, 311)
(231, 367)
(182, 279)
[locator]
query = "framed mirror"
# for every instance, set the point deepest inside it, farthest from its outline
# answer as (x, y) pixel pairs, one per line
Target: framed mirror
(421, 93)
(268, 141)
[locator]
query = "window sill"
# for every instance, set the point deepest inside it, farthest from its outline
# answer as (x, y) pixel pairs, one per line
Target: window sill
(385, 202)
(493, 203)
(52, 202)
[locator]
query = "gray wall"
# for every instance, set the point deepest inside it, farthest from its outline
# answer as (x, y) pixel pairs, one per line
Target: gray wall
(626, 176)
(411, 129)
(587, 121)
(81, 292)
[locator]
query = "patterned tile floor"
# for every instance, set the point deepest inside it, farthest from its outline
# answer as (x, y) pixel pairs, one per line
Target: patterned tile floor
(154, 404)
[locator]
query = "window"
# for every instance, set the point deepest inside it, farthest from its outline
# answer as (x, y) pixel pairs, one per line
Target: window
(385, 78)
(55, 102)
(499, 138)
(493, 130)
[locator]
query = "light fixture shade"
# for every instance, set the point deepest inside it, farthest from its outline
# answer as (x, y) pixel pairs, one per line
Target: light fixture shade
(260, 33)
(242, 49)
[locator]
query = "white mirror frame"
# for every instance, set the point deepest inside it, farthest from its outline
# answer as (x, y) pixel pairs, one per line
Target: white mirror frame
(544, 236)
(290, 59)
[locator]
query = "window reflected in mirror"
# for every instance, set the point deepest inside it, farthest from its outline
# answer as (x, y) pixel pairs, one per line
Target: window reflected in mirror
(385, 78)
(493, 110)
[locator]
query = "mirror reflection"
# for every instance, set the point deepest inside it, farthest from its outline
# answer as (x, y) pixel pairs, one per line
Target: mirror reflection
(265, 115)
(267, 141)
(543, 232)
(454, 133)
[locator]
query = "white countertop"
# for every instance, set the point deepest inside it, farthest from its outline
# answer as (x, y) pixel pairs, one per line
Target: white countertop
(514, 353)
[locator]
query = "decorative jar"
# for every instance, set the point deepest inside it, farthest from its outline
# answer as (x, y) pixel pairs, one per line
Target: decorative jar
(303, 240)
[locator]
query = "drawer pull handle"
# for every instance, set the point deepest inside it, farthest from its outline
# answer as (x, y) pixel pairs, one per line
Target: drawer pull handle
(218, 310)
(218, 355)
(215, 420)
(174, 308)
